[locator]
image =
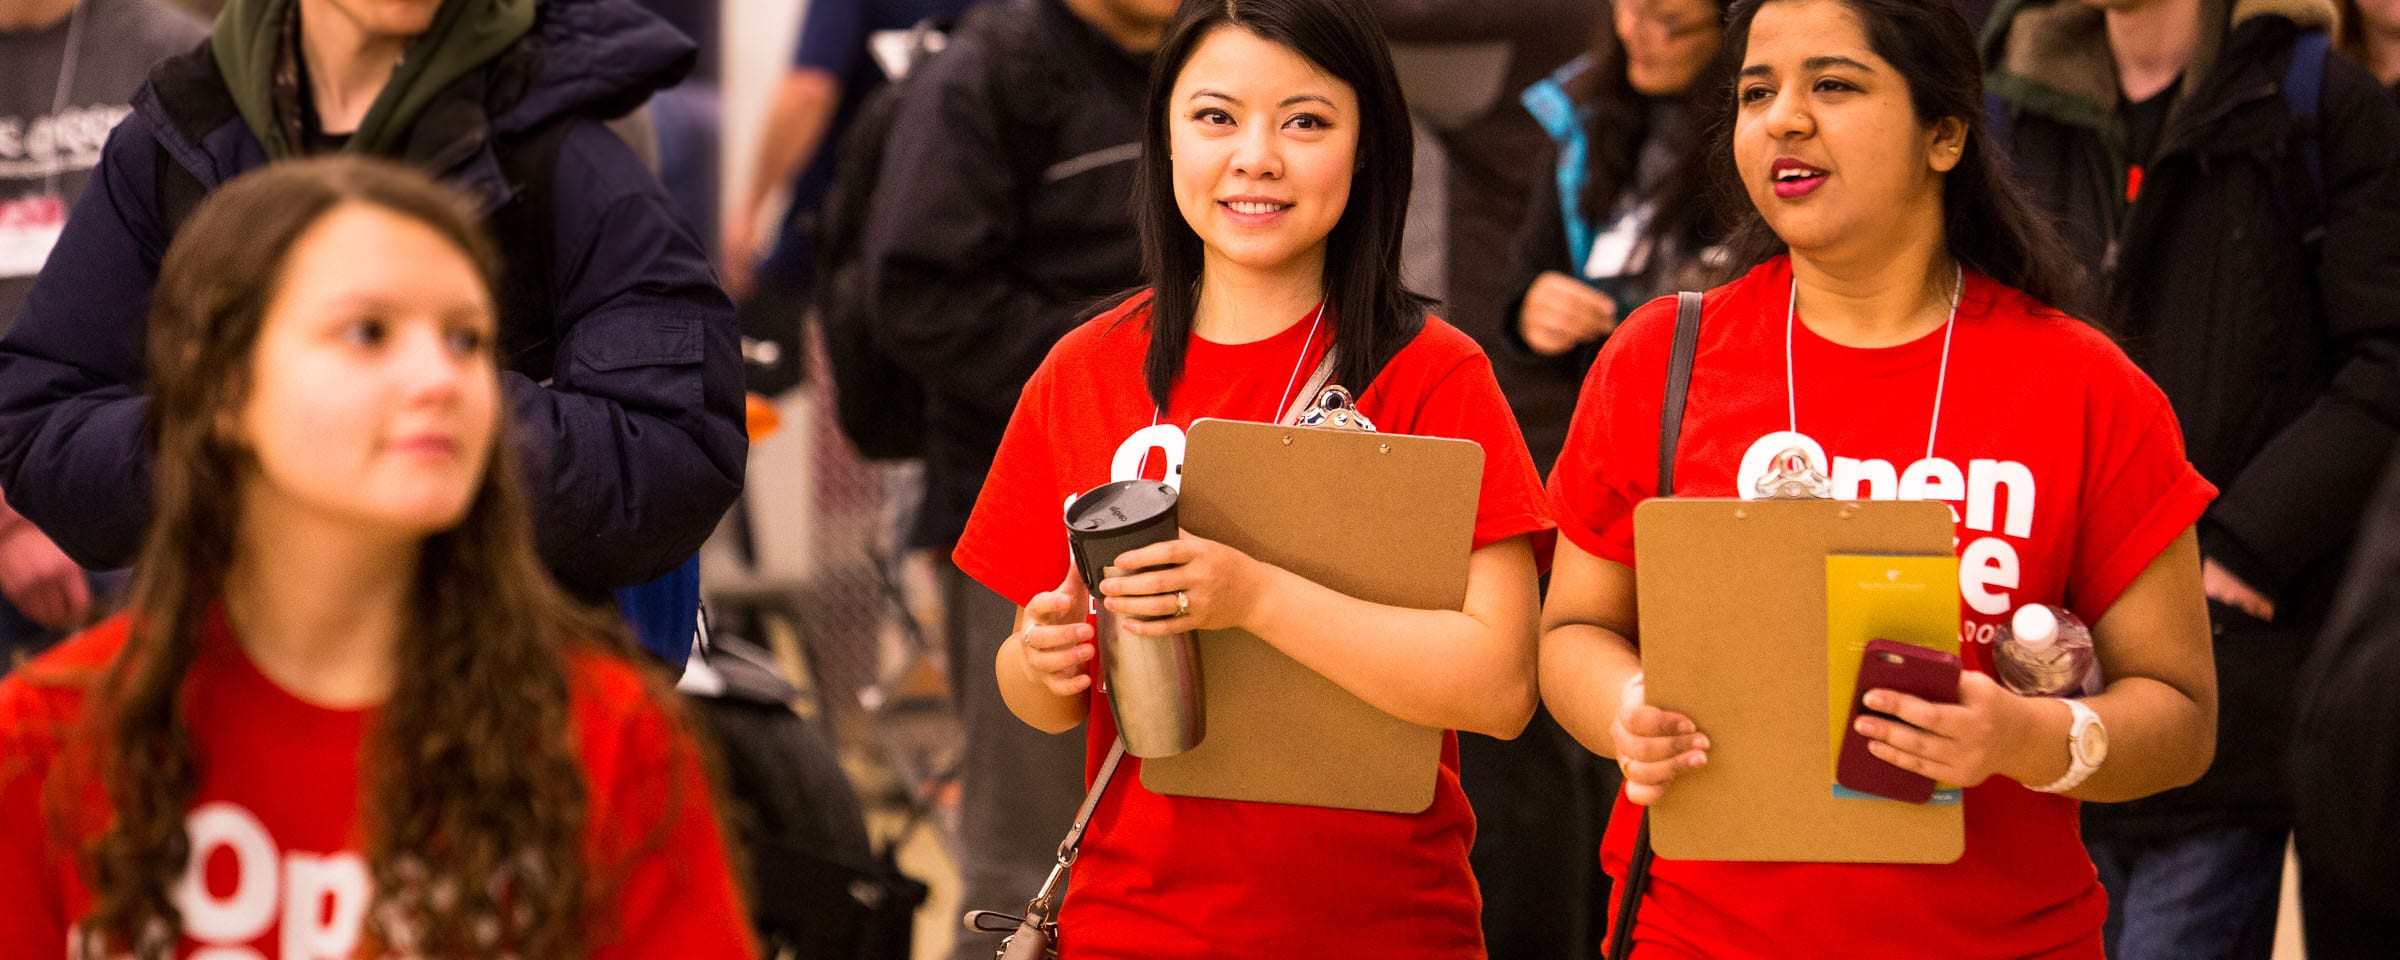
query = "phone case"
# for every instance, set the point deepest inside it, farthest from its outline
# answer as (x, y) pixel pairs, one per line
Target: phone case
(1904, 668)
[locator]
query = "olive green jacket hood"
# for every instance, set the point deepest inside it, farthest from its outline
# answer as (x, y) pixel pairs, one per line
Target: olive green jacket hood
(465, 34)
(2052, 56)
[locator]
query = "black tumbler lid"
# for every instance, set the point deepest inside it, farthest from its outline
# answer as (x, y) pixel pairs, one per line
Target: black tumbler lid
(1115, 518)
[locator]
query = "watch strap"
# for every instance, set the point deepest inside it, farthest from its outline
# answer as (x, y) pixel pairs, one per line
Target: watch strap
(2077, 770)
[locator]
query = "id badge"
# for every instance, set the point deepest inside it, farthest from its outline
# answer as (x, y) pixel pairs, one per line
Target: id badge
(29, 228)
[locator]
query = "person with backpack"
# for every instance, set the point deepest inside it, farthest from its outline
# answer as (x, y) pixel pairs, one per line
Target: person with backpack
(1275, 173)
(621, 362)
(2237, 190)
(834, 71)
(1900, 323)
(1000, 211)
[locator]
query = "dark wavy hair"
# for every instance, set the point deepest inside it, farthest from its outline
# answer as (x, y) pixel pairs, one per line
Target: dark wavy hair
(1374, 314)
(1988, 221)
(471, 788)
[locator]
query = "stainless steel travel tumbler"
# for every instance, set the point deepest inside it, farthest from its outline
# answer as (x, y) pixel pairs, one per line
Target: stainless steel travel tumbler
(1153, 683)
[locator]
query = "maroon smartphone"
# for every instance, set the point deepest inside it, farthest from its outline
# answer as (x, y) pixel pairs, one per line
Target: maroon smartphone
(1902, 668)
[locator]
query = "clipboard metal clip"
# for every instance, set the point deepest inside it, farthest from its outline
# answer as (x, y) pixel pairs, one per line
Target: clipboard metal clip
(1334, 410)
(1793, 475)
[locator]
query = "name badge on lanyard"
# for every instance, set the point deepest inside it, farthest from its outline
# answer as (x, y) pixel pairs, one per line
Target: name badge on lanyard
(29, 228)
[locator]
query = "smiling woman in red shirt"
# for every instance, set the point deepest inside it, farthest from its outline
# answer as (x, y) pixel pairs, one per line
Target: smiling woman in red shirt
(1273, 187)
(1897, 322)
(346, 713)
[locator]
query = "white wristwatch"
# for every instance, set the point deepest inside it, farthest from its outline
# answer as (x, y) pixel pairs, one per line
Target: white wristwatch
(2087, 748)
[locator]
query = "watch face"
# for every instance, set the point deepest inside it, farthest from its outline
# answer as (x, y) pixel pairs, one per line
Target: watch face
(2091, 743)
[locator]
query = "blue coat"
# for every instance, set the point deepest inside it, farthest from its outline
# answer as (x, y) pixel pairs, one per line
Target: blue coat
(632, 450)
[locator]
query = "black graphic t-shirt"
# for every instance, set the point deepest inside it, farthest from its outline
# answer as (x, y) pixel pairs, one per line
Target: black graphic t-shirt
(65, 87)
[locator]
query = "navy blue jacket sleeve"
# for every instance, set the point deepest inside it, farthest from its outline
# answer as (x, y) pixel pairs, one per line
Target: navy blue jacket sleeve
(72, 456)
(636, 448)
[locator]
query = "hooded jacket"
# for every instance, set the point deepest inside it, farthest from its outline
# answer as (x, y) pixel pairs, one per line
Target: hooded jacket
(2281, 357)
(628, 434)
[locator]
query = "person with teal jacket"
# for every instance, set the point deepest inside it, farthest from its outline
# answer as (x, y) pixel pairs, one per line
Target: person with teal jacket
(1626, 215)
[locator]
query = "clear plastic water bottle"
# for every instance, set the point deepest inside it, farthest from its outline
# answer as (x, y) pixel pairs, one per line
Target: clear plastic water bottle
(2046, 652)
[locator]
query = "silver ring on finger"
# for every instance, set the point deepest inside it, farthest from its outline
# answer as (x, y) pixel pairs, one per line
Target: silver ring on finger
(1183, 604)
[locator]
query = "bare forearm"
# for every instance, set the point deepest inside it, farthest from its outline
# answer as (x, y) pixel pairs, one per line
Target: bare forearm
(2158, 739)
(796, 125)
(1029, 699)
(1584, 671)
(1439, 668)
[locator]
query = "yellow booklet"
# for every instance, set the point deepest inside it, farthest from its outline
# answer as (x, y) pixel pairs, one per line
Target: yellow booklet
(1906, 599)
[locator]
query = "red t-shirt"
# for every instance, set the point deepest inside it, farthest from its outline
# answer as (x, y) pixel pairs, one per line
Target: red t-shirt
(2066, 471)
(275, 818)
(1163, 877)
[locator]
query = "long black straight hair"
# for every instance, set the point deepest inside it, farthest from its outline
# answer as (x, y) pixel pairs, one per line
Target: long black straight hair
(1373, 313)
(1988, 222)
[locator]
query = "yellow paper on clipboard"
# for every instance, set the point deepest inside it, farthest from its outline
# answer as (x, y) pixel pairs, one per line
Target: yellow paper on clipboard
(1879, 596)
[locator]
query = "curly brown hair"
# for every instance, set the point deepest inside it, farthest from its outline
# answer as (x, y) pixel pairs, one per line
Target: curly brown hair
(472, 790)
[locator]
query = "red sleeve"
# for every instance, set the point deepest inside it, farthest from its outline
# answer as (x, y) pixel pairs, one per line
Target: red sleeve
(664, 885)
(33, 923)
(1467, 404)
(2139, 492)
(1016, 538)
(50, 798)
(1610, 462)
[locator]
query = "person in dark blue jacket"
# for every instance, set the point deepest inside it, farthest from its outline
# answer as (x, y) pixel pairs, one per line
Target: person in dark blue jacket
(624, 374)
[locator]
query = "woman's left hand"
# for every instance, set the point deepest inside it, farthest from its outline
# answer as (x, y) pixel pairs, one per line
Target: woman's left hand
(1963, 743)
(1185, 584)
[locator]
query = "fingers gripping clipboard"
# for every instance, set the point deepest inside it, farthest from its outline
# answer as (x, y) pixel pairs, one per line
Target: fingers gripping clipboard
(1732, 607)
(1384, 518)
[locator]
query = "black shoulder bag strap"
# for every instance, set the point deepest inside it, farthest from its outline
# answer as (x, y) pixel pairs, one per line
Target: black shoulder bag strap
(1670, 429)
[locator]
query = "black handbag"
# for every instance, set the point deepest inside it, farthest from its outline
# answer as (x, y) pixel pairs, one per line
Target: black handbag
(819, 888)
(1670, 429)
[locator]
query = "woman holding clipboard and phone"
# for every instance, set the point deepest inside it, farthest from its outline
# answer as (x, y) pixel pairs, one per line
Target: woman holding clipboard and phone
(1274, 184)
(1897, 323)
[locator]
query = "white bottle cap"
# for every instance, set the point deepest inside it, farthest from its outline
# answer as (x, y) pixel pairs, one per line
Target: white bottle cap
(2035, 626)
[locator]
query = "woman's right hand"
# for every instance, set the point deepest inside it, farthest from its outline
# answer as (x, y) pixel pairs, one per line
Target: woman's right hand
(1056, 641)
(1653, 745)
(1562, 313)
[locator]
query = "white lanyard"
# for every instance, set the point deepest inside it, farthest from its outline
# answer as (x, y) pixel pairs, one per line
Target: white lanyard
(1941, 380)
(66, 83)
(1314, 318)
(1157, 414)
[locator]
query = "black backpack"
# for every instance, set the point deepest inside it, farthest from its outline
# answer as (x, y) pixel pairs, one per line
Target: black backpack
(818, 887)
(879, 403)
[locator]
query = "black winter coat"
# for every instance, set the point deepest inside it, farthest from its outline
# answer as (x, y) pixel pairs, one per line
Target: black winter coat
(977, 267)
(2281, 358)
(633, 449)
(2345, 760)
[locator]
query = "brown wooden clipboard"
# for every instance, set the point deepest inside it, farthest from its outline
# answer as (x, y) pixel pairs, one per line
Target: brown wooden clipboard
(1384, 518)
(1732, 620)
